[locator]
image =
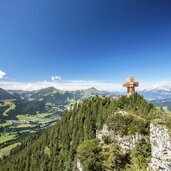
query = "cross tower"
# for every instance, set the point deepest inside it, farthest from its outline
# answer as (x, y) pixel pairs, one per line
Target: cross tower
(130, 84)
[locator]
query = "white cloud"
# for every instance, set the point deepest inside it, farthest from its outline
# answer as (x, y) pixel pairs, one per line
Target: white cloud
(55, 78)
(2, 74)
(73, 85)
(63, 85)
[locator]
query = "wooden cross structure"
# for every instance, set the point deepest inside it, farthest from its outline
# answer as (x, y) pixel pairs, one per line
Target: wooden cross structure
(130, 84)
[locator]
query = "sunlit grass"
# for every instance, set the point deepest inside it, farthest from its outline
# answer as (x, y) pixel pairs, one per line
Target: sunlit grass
(38, 116)
(9, 148)
(7, 123)
(7, 138)
(11, 106)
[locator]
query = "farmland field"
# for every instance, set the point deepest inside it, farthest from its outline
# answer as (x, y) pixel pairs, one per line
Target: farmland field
(5, 138)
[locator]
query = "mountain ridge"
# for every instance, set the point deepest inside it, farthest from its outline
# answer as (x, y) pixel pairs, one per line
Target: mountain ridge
(73, 139)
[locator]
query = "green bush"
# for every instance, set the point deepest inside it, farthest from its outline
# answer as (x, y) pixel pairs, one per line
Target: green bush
(88, 153)
(127, 125)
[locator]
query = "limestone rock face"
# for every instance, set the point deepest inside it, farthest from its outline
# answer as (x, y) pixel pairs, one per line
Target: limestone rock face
(161, 148)
(160, 145)
(102, 133)
(126, 142)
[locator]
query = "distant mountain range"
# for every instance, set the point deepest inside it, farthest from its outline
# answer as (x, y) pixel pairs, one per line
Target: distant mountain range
(150, 94)
(55, 101)
(156, 94)
(161, 97)
(48, 100)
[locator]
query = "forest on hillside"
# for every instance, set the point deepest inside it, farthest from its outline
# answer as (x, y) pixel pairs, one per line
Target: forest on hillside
(74, 137)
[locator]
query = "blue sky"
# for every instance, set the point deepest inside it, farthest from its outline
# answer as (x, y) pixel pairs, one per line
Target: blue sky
(89, 41)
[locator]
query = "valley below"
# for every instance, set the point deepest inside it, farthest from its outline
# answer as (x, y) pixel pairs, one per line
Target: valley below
(23, 113)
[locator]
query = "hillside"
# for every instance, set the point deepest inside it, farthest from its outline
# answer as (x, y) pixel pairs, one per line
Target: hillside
(154, 94)
(75, 143)
(4, 95)
(164, 103)
(25, 112)
(48, 100)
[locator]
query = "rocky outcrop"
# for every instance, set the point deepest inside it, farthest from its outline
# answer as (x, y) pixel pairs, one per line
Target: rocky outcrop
(160, 145)
(161, 148)
(126, 142)
(79, 166)
(102, 133)
(123, 113)
(4, 154)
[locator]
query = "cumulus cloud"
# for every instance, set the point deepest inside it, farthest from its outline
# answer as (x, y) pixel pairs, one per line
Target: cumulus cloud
(55, 78)
(2, 74)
